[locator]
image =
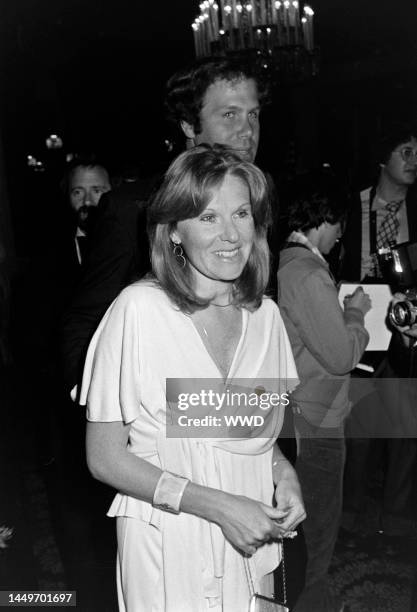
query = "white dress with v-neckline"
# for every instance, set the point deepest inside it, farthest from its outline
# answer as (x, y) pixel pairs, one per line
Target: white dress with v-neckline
(244, 314)
(142, 341)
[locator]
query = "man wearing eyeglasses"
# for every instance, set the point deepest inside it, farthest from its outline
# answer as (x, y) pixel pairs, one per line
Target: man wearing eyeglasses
(385, 214)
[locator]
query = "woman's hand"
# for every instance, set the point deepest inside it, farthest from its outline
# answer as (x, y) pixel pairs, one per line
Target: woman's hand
(248, 524)
(288, 496)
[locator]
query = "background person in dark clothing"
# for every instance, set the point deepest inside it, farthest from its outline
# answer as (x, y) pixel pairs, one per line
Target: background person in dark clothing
(384, 214)
(85, 181)
(366, 228)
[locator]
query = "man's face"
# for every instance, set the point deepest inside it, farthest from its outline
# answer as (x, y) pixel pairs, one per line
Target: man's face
(87, 184)
(229, 116)
(330, 233)
(399, 170)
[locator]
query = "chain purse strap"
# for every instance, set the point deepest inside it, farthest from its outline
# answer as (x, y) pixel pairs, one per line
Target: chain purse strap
(251, 583)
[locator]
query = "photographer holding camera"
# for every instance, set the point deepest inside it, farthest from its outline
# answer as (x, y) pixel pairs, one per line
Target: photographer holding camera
(385, 213)
(384, 216)
(407, 349)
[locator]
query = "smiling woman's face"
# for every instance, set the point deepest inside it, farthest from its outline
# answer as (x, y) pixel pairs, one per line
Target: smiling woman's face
(218, 242)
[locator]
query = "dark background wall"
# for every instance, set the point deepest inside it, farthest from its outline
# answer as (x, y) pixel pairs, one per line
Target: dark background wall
(94, 73)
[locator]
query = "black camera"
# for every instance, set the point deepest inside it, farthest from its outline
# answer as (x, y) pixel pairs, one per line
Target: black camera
(398, 265)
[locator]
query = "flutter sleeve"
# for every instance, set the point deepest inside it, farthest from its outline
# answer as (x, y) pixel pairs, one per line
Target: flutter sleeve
(111, 380)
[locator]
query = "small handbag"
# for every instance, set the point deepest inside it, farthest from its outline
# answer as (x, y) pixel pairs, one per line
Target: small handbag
(260, 603)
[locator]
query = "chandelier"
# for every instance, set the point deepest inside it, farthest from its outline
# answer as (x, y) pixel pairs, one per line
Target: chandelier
(266, 25)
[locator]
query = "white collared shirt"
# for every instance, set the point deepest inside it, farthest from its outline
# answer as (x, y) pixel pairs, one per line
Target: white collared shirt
(301, 238)
(79, 234)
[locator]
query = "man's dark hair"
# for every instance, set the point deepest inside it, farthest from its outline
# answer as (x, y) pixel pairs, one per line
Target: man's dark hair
(316, 197)
(186, 89)
(394, 135)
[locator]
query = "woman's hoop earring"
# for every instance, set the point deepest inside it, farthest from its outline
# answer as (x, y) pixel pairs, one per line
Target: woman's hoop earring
(179, 255)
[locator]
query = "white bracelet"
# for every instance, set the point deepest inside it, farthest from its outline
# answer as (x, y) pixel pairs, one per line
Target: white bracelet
(169, 491)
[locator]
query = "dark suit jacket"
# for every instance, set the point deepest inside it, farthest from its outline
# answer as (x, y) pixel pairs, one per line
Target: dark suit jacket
(68, 265)
(118, 254)
(350, 261)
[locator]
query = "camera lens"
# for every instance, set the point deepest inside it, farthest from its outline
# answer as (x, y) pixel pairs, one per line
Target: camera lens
(400, 314)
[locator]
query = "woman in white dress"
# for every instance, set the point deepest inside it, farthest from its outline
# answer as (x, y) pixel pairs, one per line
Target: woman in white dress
(194, 502)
